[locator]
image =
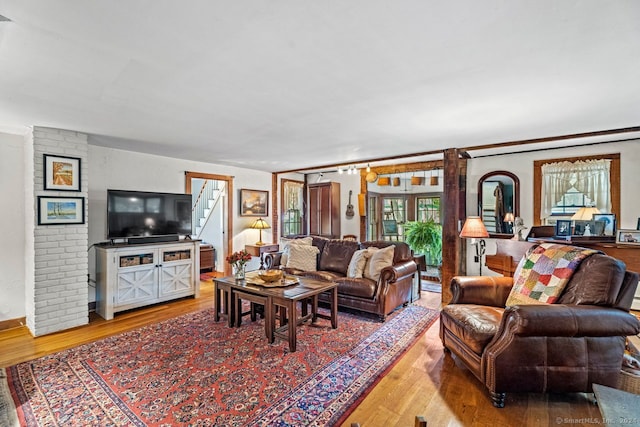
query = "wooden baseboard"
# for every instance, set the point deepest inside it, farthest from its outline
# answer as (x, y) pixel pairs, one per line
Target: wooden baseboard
(12, 323)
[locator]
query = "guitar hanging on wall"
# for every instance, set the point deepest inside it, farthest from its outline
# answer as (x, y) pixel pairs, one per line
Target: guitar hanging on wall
(350, 212)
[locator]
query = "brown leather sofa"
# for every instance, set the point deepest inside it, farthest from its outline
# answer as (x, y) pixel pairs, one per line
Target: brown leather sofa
(392, 289)
(561, 347)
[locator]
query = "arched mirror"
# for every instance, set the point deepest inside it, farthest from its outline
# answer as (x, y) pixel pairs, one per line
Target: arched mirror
(499, 201)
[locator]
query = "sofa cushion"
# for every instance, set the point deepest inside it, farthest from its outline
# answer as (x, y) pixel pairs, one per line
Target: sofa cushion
(596, 282)
(474, 325)
(286, 243)
(402, 252)
(357, 264)
(336, 255)
(379, 259)
(329, 276)
(361, 288)
(302, 257)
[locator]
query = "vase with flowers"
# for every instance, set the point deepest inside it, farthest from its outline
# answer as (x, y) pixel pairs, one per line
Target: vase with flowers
(238, 261)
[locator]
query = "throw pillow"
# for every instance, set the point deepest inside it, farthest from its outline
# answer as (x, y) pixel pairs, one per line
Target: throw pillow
(357, 264)
(543, 273)
(285, 243)
(303, 257)
(380, 258)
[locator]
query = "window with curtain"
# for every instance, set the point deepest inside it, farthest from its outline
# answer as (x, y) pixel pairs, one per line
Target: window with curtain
(292, 207)
(567, 186)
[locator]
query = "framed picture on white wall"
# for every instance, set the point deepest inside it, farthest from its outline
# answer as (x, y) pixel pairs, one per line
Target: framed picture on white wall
(61, 173)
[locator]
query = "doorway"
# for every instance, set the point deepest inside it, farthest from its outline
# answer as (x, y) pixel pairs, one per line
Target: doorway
(217, 228)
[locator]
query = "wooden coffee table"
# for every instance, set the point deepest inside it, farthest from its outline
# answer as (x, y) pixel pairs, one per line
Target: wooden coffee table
(285, 297)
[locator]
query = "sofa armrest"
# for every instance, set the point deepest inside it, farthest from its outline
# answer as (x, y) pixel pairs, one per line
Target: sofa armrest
(272, 260)
(398, 271)
(481, 290)
(559, 320)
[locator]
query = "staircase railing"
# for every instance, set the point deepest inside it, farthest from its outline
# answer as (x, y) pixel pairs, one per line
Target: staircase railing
(210, 191)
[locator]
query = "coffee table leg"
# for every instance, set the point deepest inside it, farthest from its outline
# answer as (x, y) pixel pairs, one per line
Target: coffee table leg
(334, 307)
(271, 321)
(268, 325)
(314, 308)
(216, 302)
(292, 326)
(237, 306)
(230, 311)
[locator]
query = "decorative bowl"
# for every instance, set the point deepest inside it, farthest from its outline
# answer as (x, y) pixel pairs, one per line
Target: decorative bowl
(270, 275)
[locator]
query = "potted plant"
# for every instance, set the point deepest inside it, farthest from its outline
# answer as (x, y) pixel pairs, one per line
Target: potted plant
(425, 238)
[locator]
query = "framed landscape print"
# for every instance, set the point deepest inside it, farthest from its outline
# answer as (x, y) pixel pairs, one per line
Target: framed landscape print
(61, 173)
(60, 210)
(254, 202)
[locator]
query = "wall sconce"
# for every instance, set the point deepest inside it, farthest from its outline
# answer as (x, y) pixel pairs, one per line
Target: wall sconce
(260, 224)
(473, 229)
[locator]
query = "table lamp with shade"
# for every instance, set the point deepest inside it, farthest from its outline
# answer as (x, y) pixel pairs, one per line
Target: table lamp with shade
(474, 229)
(260, 224)
(585, 213)
(509, 218)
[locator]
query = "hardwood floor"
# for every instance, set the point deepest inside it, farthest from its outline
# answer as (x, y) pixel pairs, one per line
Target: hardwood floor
(424, 382)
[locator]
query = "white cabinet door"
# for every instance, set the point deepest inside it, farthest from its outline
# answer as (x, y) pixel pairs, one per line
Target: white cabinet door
(176, 274)
(137, 285)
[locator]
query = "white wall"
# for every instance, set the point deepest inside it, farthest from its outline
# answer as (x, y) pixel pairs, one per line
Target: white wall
(12, 226)
(126, 170)
(522, 166)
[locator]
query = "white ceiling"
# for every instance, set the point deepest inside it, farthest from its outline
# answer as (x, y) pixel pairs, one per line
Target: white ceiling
(283, 84)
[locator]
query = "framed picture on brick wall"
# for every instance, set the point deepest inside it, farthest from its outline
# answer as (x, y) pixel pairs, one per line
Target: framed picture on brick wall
(60, 210)
(61, 173)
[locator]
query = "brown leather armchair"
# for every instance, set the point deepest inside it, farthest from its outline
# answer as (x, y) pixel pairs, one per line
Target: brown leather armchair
(561, 347)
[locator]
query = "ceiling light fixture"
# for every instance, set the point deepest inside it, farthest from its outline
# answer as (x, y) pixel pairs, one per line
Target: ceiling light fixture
(433, 181)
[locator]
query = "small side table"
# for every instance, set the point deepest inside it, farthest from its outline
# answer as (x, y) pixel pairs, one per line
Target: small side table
(260, 250)
(421, 261)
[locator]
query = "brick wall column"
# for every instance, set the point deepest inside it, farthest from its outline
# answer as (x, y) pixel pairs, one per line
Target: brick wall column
(59, 298)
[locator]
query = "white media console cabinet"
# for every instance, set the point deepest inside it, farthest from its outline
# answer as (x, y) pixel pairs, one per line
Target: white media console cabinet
(135, 275)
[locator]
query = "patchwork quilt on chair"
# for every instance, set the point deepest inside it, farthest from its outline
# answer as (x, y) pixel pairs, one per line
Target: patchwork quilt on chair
(542, 275)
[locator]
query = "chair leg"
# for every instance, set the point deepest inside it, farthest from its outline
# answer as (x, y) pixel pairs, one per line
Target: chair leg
(497, 399)
(420, 421)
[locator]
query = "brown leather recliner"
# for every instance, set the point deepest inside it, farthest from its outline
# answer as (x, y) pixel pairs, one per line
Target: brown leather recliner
(561, 347)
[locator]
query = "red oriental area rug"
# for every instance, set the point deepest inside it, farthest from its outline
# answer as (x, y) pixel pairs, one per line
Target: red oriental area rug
(193, 371)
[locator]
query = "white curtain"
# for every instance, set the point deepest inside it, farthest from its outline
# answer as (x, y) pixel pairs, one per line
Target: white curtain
(590, 177)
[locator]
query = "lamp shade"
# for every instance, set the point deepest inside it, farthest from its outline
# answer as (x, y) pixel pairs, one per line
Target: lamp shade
(585, 213)
(416, 180)
(473, 228)
(260, 224)
(384, 180)
(509, 217)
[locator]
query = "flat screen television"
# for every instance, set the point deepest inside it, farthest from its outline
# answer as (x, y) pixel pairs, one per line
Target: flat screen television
(141, 214)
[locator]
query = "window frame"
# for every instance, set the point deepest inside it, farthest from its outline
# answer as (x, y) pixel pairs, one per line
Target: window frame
(283, 207)
(614, 181)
